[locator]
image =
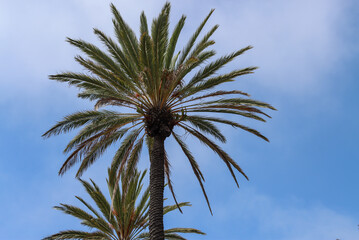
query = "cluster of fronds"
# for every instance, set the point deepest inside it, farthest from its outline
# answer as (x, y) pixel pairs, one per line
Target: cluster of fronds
(146, 74)
(126, 219)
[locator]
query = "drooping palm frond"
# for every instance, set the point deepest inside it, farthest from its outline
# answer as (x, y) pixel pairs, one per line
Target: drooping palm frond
(71, 234)
(128, 217)
(151, 78)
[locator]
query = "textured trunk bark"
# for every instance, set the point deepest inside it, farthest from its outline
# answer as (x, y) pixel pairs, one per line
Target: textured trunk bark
(157, 180)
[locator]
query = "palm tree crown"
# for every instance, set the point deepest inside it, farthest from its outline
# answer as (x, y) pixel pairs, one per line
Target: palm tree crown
(127, 219)
(154, 83)
(146, 76)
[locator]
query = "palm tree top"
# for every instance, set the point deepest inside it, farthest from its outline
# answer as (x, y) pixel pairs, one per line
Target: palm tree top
(126, 219)
(153, 81)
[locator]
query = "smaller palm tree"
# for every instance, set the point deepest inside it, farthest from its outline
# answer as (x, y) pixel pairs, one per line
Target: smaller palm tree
(126, 218)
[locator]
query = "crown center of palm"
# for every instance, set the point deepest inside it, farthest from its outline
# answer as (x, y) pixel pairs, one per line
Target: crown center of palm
(159, 122)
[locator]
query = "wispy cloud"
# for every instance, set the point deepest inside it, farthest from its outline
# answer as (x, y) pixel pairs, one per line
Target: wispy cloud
(290, 219)
(250, 215)
(296, 42)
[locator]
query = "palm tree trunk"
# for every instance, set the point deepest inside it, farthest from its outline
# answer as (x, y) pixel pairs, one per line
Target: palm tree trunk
(157, 180)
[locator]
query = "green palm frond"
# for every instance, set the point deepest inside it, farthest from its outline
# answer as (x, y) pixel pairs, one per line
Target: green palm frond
(116, 53)
(122, 154)
(167, 168)
(206, 126)
(173, 41)
(87, 219)
(126, 37)
(215, 81)
(222, 154)
(70, 234)
(192, 40)
(204, 43)
(194, 166)
(147, 61)
(77, 120)
(160, 38)
(100, 57)
(242, 101)
(231, 123)
(127, 220)
(171, 234)
(212, 68)
(100, 200)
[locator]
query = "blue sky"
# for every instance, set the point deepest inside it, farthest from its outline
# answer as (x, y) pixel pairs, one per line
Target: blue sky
(303, 184)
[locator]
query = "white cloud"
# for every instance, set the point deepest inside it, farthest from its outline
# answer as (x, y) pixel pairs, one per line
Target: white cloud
(296, 42)
(289, 219)
(250, 215)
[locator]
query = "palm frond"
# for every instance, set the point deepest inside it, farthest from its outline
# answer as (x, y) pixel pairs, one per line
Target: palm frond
(171, 208)
(215, 81)
(213, 67)
(100, 200)
(126, 37)
(184, 230)
(147, 61)
(194, 63)
(212, 94)
(89, 207)
(121, 158)
(82, 81)
(173, 41)
(160, 37)
(194, 166)
(122, 154)
(222, 154)
(96, 54)
(87, 219)
(192, 40)
(97, 147)
(143, 25)
(171, 234)
(133, 159)
(71, 234)
(242, 101)
(92, 129)
(233, 124)
(235, 112)
(167, 168)
(77, 120)
(239, 107)
(206, 126)
(204, 43)
(116, 82)
(116, 53)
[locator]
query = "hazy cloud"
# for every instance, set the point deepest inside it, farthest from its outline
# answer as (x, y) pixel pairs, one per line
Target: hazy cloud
(289, 219)
(296, 42)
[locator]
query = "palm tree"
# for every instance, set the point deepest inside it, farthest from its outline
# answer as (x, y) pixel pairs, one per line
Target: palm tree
(127, 219)
(155, 92)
